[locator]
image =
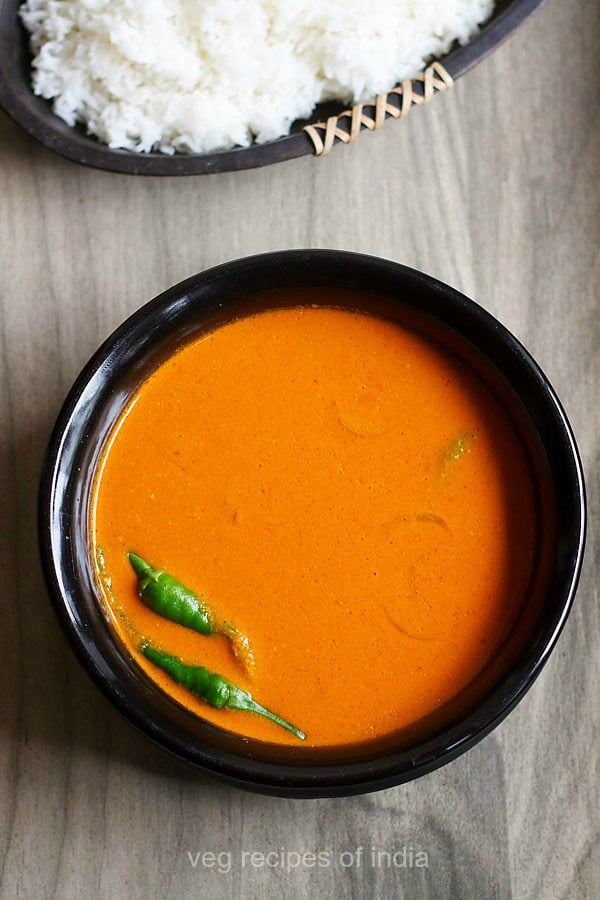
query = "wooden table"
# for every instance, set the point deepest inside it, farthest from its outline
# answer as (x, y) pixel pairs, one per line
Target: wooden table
(493, 188)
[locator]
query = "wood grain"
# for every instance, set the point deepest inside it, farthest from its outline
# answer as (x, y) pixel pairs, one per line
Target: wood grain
(494, 189)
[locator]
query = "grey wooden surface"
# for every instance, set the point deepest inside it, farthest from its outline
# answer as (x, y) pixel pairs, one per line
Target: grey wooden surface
(495, 189)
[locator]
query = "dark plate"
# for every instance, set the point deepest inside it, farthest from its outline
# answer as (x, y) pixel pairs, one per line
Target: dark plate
(36, 117)
(401, 295)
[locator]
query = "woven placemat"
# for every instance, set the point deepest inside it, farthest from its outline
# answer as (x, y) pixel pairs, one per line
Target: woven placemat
(395, 104)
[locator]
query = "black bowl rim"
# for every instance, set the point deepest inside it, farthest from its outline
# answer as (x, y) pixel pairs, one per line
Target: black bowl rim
(342, 779)
(42, 124)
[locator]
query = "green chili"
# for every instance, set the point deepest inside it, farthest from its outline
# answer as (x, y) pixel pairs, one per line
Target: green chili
(166, 596)
(214, 689)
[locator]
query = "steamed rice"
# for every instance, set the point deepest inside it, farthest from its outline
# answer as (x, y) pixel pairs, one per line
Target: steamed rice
(201, 75)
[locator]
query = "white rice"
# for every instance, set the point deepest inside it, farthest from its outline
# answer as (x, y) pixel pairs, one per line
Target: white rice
(200, 75)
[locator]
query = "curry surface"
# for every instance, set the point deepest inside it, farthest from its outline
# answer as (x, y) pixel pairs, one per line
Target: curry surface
(344, 490)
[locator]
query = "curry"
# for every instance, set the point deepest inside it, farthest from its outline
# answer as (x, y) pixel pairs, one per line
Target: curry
(347, 502)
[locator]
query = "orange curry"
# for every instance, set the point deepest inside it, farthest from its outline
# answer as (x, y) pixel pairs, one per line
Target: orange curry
(343, 489)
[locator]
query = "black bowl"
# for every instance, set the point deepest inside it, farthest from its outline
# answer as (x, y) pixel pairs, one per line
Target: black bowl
(35, 115)
(399, 294)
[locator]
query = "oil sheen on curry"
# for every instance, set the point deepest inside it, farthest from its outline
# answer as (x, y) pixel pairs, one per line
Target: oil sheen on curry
(319, 510)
